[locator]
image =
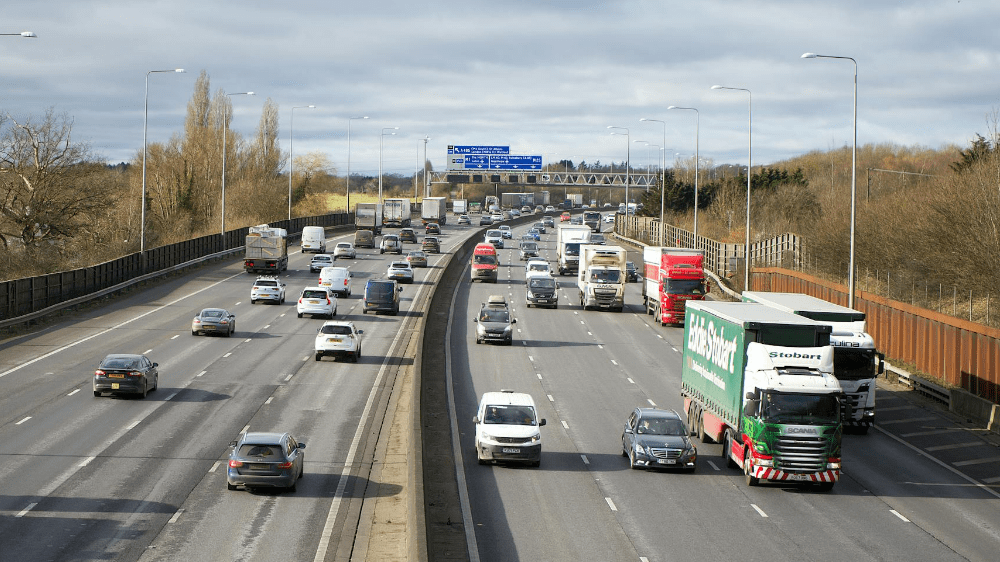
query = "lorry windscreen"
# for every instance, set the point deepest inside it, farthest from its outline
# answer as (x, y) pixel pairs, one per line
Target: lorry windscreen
(683, 287)
(573, 249)
(853, 364)
(804, 409)
(484, 259)
(606, 276)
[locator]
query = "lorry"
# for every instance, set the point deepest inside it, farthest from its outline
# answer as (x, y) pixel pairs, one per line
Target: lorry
(475, 207)
(575, 200)
(368, 216)
(434, 209)
(601, 277)
(672, 277)
(568, 240)
(760, 381)
(593, 220)
(459, 206)
(516, 200)
(266, 250)
(396, 212)
(491, 204)
(856, 361)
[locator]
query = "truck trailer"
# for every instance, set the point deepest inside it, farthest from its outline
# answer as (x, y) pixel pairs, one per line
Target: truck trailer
(569, 237)
(434, 209)
(368, 216)
(672, 277)
(760, 381)
(396, 212)
(856, 362)
(459, 206)
(601, 277)
(266, 250)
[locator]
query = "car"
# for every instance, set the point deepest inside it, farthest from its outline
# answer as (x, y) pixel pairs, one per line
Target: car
(539, 226)
(494, 322)
(121, 373)
(535, 235)
(597, 238)
(316, 301)
(381, 295)
(400, 271)
(539, 209)
(653, 437)
(214, 321)
(576, 220)
(514, 213)
(432, 228)
(537, 265)
(337, 279)
(527, 238)
(339, 339)
(525, 210)
(496, 217)
(485, 220)
(417, 258)
(540, 289)
(505, 231)
(267, 288)
(528, 250)
(265, 460)
(431, 245)
(549, 222)
(407, 235)
(550, 209)
(464, 219)
(607, 205)
(565, 217)
(364, 239)
(319, 261)
(507, 428)
(344, 250)
(610, 218)
(495, 237)
(631, 273)
(391, 244)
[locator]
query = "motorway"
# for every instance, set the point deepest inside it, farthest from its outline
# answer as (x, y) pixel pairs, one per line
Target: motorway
(129, 479)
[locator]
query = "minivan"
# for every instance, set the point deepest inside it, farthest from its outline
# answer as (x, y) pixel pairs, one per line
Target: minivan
(484, 263)
(337, 279)
(382, 295)
(313, 239)
(364, 239)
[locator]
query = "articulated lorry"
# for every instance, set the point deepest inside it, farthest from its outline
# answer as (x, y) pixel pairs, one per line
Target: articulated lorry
(760, 381)
(396, 212)
(601, 277)
(368, 216)
(856, 362)
(569, 237)
(672, 277)
(434, 209)
(266, 250)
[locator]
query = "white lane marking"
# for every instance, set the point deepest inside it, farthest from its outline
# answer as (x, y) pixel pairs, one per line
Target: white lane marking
(539, 375)
(306, 358)
(954, 446)
(201, 373)
(524, 343)
(228, 354)
(551, 399)
(215, 466)
(900, 515)
(281, 315)
(74, 392)
(268, 401)
(712, 464)
(976, 461)
(175, 337)
(248, 339)
(288, 378)
(132, 425)
(532, 359)
(86, 461)
(910, 420)
(266, 326)
(651, 403)
(519, 330)
(590, 333)
(25, 511)
(582, 322)
(565, 425)
(629, 379)
(599, 346)
(22, 421)
(575, 312)
(238, 303)
(759, 510)
(611, 504)
(992, 480)
(929, 432)
(659, 336)
(643, 559)
(171, 396)
(245, 428)
(147, 351)
(176, 516)
(613, 362)
(585, 459)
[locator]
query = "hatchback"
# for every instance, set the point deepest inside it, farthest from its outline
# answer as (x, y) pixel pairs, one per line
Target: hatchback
(400, 271)
(126, 374)
(267, 288)
(345, 250)
(432, 228)
(464, 219)
(265, 460)
(549, 222)
(316, 301)
(339, 339)
(214, 321)
(320, 261)
(539, 226)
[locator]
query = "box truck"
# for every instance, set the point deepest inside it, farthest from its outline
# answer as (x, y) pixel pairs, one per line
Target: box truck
(434, 209)
(396, 212)
(266, 250)
(368, 216)
(601, 277)
(568, 240)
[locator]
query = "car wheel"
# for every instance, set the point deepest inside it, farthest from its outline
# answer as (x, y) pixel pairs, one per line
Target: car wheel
(299, 314)
(751, 480)
(478, 341)
(230, 486)
(631, 461)
(194, 332)
(252, 301)
(332, 314)
(291, 488)
(97, 393)
(156, 382)
(624, 447)
(319, 356)
(145, 389)
(354, 357)
(364, 311)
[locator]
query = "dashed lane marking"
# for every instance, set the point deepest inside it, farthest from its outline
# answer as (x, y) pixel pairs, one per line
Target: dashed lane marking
(900, 515)
(759, 510)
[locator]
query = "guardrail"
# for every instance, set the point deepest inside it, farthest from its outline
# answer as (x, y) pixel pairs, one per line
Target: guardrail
(920, 385)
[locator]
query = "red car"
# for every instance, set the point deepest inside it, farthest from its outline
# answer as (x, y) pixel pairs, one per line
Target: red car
(564, 217)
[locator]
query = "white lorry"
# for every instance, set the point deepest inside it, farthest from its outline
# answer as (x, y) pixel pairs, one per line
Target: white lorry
(569, 237)
(601, 277)
(460, 206)
(434, 209)
(856, 362)
(368, 216)
(396, 212)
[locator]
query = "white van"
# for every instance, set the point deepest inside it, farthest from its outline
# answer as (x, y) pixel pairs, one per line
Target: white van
(337, 279)
(313, 239)
(507, 428)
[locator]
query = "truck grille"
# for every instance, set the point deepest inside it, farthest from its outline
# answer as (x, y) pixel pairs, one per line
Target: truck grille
(605, 294)
(666, 453)
(796, 453)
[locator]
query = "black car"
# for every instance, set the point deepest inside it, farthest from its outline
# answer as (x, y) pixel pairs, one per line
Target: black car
(265, 460)
(408, 235)
(657, 438)
(381, 295)
(126, 374)
(432, 228)
(631, 273)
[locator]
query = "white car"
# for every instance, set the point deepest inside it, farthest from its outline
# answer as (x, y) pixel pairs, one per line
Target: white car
(506, 232)
(536, 266)
(400, 271)
(338, 338)
(337, 279)
(316, 301)
(507, 428)
(344, 250)
(320, 261)
(494, 237)
(267, 288)
(609, 218)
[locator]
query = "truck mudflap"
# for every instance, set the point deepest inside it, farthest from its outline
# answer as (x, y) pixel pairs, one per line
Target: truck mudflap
(768, 473)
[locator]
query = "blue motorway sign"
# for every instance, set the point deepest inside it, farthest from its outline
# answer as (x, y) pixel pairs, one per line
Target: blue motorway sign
(452, 149)
(501, 162)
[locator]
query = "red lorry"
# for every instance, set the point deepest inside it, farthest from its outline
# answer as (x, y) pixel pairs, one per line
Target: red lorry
(672, 276)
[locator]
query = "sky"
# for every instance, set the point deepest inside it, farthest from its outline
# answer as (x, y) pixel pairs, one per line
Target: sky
(544, 77)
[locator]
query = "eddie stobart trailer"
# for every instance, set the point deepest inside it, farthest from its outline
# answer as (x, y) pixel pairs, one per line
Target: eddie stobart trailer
(856, 362)
(760, 381)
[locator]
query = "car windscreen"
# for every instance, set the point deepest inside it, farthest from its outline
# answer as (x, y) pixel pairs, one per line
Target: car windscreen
(494, 315)
(338, 330)
(529, 246)
(266, 452)
(541, 283)
(313, 294)
(484, 259)
(493, 234)
(510, 415)
(659, 426)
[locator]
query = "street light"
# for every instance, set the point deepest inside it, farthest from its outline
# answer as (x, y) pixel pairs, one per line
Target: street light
(427, 183)
(697, 164)
(349, 119)
(225, 128)
(145, 119)
(381, 138)
(628, 161)
(746, 247)
(291, 155)
(854, 171)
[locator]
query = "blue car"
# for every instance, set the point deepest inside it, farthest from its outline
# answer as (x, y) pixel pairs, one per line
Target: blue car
(535, 234)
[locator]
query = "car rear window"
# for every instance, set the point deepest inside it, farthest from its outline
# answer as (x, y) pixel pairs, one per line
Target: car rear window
(261, 451)
(267, 283)
(314, 294)
(120, 364)
(338, 330)
(211, 314)
(379, 289)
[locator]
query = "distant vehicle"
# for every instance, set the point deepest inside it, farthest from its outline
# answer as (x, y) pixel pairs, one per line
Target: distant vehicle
(539, 226)
(485, 220)
(432, 228)
(464, 219)
(417, 258)
(400, 271)
(593, 220)
(549, 222)
(631, 273)
(368, 216)
(313, 239)
(265, 460)
(576, 220)
(345, 250)
(337, 279)
(434, 209)
(484, 263)
(495, 237)
(364, 239)
(391, 244)
(507, 428)
(550, 209)
(525, 210)
(459, 207)
(609, 218)
(214, 321)
(338, 338)
(537, 265)
(654, 438)
(528, 250)
(126, 374)
(320, 261)
(266, 250)
(505, 231)
(407, 235)
(540, 289)
(316, 301)
(396, 212)
(534, 234)
(497, 217)
(539, 209)
(494, 323)
(267, 288)
(565, 217)
(597, 238)
(382, 295)
(431, 245)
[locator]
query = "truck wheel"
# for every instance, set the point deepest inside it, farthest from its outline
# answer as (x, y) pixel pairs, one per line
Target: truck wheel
(751, 480)
(727, 449)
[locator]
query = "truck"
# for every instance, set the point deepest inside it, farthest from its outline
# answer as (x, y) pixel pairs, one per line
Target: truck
(760, 381)
(672, 277)
(575, 200)
(601, 277)
(396, 212)
(491, 204)
(460, 206)
(368, 216)
(542, 198)
(475, 207)
(593, 220)
(856, 361)
(568, 240)
(266, 250)
(434, 209)
(516, 200)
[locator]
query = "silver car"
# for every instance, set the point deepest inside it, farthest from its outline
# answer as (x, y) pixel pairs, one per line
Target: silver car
(265, 460)
(320, 261)
(345, 250)
(214, 321)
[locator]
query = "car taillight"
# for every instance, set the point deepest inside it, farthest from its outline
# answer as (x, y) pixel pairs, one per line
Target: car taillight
(196, 321)
(284, 465)
(235, 464)
(300, 300)
(99, 373)
(345, 282)
(134, 374)
(328, 300)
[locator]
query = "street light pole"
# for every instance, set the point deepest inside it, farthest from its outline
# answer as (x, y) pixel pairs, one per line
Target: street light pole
(663, 171)
(427, 183)
(291, 155)
(746, 247)
(854, 172)
(628, 161)
(381, 138)
(225, 128)
(349, 119)
(697, 165)
(145, 120)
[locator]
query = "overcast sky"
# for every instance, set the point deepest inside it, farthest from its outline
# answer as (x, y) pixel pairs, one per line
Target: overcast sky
(545, 77)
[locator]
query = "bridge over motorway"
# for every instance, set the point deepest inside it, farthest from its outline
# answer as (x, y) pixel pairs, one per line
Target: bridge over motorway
(548, 179)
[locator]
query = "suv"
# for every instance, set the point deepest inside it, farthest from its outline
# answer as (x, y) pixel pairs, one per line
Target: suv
(540, 290)
(506, 232)
(320, 261)
(391, 244)
(431, 245)
(464, 219)
(549, 222)
(507, 428)
(381, 295)
(338, 338)
(494, 322)
(316, 301)
(407, 235)
(495, 237)
(432, 228)
(267, 288)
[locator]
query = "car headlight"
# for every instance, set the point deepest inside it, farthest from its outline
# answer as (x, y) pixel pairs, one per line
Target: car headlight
(488, 437)
(507, 330)
(536, 438)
